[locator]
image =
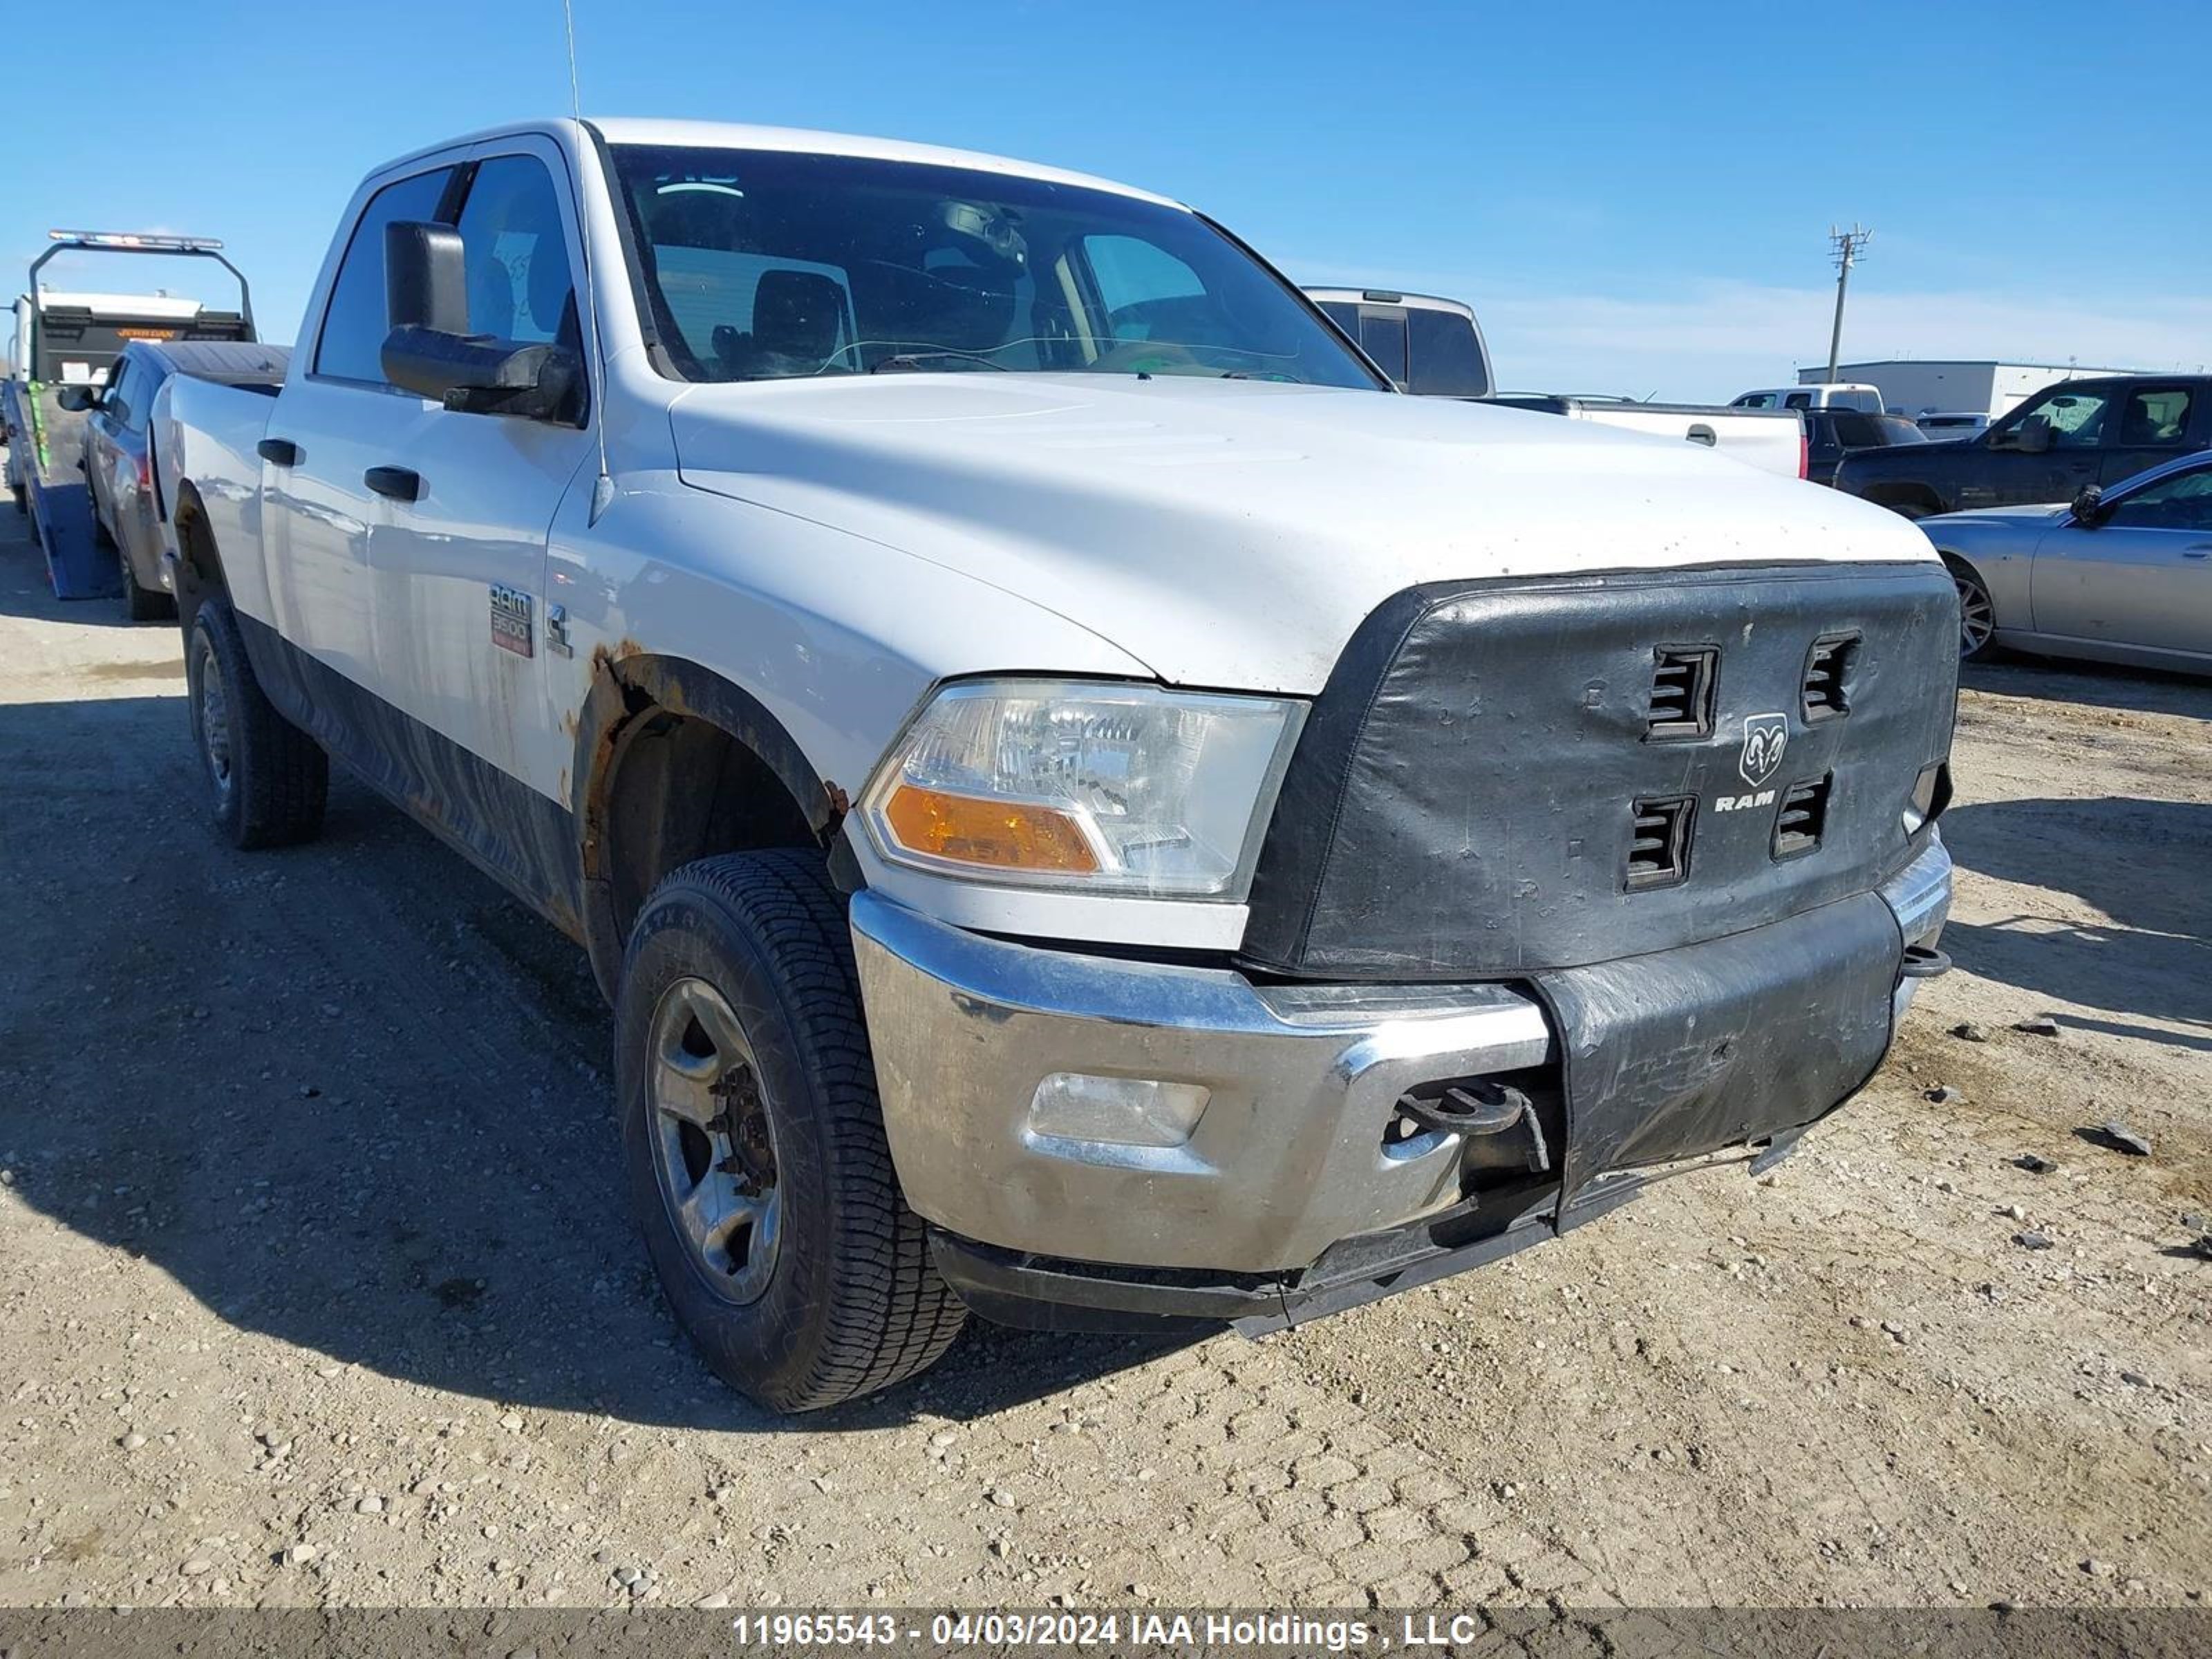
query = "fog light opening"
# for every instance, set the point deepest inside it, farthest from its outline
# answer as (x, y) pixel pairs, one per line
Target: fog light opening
(1119, 1111)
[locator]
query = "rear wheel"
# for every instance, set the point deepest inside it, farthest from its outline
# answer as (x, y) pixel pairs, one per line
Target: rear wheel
(267, 778)
(1978, 615)
(753, 1141)
(142, 603)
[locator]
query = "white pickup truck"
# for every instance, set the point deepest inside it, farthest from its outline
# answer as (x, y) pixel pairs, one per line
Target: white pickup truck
(1434, 347)
(1089, 807)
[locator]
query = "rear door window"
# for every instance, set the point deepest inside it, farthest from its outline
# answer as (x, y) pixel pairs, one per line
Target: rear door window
(355, 322)
(2155, 417)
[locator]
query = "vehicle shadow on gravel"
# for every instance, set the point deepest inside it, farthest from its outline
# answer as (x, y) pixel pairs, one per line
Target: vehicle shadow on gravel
(2140, 863)
(25, 587)
(350, 1097)
(2098, 685)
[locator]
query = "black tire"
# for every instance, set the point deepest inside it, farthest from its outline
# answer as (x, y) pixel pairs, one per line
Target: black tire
(268, 780)
(850, 1302)
(143, 604)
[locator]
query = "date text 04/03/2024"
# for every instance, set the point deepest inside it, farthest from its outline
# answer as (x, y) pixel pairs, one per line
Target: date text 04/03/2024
(1084, 1629)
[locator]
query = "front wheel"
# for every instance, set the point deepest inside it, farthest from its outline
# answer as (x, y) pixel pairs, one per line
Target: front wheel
(753, 1141)
(1978, 614)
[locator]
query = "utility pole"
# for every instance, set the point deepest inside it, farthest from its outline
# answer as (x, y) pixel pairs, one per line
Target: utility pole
(1846, 246)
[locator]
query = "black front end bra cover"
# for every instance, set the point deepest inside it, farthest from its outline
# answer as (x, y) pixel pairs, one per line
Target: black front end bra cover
(1463, 802)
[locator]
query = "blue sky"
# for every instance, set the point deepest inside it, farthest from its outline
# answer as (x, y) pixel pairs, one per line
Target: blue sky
(1635, 198)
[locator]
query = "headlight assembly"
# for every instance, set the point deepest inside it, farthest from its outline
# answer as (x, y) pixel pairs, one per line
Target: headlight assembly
(1085, 785)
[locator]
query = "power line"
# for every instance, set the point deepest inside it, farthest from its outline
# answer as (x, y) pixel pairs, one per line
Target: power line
(1845, 248)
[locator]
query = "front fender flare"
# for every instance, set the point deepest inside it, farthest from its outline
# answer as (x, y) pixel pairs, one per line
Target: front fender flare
(627, 685)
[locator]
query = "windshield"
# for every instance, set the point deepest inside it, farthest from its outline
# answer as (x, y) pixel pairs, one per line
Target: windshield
(765, 265)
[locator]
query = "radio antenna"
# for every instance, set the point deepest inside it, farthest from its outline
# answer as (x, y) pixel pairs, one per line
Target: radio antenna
(603, 487)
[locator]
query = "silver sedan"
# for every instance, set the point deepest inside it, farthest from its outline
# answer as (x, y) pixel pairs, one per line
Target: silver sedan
(2124, 575)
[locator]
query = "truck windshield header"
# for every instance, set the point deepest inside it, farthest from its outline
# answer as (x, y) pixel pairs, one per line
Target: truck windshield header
(764, 264)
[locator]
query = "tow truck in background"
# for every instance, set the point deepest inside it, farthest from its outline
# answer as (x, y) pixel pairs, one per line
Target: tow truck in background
(65, 342)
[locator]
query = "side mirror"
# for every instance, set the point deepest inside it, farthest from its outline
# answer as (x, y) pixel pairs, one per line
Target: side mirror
(2034, 435)
(425, 279)
(2089, 506)
(430, 351)
(78, 399)
(475, 374)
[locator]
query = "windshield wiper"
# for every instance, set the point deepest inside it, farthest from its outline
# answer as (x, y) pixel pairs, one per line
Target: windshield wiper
(916, 358)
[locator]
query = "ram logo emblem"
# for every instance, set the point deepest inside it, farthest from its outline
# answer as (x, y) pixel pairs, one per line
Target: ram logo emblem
(1764, 738)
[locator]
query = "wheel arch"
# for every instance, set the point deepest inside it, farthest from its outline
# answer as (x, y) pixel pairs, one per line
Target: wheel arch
(675, 762)
(199, 562)
(1913, 501)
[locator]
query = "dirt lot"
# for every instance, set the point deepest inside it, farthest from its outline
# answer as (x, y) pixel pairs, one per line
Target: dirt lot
(316, 1285)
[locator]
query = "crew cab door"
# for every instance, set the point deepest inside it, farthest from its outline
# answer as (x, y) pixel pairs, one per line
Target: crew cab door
(2007, 472)
(2142, 576)
(459, 578)
(332, 422)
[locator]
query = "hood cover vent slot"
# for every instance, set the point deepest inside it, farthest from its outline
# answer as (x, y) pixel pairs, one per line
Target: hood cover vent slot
(1682, 692)
(1659, 846)
(1828, 676)
(1802, 817)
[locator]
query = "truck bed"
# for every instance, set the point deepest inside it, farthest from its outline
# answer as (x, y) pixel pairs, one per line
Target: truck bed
(203, 435)
(1771, 439)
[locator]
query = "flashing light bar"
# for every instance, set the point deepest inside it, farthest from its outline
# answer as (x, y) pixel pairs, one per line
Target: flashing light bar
(131, 239)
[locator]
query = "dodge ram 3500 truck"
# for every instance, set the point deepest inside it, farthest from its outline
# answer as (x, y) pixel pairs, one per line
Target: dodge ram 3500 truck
(1089, 807)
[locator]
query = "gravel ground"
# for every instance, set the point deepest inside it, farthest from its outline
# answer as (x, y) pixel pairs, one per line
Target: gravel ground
(318, 1289)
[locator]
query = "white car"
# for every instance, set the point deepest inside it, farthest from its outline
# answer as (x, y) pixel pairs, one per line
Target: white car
(1090, 805)
(1823, 394)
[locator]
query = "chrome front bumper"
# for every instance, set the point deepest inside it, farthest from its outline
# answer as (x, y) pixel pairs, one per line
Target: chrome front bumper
(1302, 1082)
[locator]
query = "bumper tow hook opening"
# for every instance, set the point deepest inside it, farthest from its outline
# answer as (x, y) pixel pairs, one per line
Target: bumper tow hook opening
(1499, 1121)
(1924, 962)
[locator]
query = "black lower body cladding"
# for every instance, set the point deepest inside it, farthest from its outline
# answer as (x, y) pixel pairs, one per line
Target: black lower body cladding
(1508, 776)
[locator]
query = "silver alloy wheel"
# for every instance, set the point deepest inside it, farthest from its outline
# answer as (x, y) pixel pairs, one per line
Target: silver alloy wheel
(1978, 618)
(714, 1147)
(215, 723)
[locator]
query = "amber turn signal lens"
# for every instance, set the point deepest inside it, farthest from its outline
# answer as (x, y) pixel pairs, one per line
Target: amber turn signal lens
(1001, 834)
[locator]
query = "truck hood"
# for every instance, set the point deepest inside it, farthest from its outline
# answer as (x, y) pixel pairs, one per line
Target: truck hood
(1233, 533)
